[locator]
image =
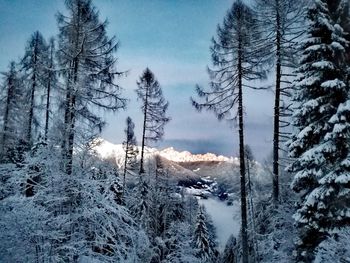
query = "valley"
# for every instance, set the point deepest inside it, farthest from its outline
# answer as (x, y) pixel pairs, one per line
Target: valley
(212, 180)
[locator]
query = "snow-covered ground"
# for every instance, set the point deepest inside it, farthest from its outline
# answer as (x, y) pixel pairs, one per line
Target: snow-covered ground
(226, 218)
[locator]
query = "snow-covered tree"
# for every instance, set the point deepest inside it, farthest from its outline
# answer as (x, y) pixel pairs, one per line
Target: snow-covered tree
(202, 239)
(140, 203)
(335, 248)
(342, 17)
(50, 83)
(66, 219)
(275, 229)
(86, 56)
(12, 113)
(320, 144)
(130, 148)
(251, 194)
(34, 65)
(191, 206)
(154, 108)
(230, 252)
(179, 245)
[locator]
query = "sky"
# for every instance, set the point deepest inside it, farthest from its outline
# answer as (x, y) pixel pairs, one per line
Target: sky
(172, 38)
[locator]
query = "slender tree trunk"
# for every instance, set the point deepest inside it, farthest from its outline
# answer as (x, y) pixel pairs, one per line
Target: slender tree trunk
(71, 127)
(70, 105)
(242, 158)
(6, 118)
(32, 95)
(36, 252)
(142, 170)
(276, 131)
(71, 133)
(252, 212)
(66, 123)
(125, 162)
(31, 110)
(47, 113)
(70, 123)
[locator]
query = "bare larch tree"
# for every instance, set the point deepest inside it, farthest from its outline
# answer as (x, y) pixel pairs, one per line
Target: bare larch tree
(130, 148)
(154, 108)
(34, 63)
(281, 22)
(236, 58)
(86, 57)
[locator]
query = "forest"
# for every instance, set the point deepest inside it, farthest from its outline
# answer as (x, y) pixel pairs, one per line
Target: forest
(61, 200)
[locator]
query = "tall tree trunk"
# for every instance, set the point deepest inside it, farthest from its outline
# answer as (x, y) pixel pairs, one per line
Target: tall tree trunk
(66, 124)
(242, 158)
(70, 104)
(6, 118)
(32, 95)
(47, 113)
(31, 112)
(276, 130)
(71, 134)
(125, 162)
(252, 212)
(142, 170)
(71, 123)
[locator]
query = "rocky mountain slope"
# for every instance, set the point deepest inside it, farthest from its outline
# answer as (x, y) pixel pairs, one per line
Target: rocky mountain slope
(202, 174)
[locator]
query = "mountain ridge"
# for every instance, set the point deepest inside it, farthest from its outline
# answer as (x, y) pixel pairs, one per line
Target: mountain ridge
(107, 149)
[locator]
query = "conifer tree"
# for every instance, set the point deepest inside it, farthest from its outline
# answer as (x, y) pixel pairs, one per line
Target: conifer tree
(34, 65)
(51, 82)
(179, 245)
(202, 240)
(39, 229)
(237, 59)
(281, 22)
(229, 254)
(86, 55)
(342, 17)
(320, 144)
(130, 148)
(12, 110)
(140, 205)
(154, 108)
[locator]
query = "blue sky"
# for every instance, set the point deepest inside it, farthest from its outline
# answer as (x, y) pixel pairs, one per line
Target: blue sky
(172, 38)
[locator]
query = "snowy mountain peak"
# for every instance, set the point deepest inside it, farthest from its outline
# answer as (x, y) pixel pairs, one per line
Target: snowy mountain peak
(185, 156)
(106, 149)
